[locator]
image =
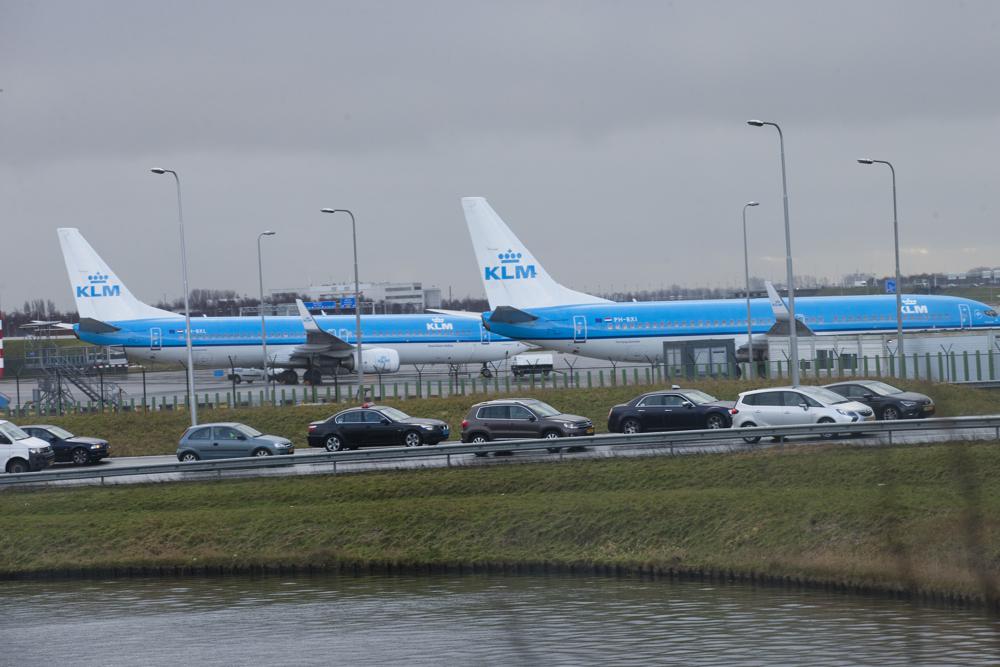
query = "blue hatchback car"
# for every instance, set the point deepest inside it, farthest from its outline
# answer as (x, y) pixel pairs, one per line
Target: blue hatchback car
(229, 440)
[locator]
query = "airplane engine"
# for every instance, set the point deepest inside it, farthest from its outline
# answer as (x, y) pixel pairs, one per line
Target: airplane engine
(379, 360)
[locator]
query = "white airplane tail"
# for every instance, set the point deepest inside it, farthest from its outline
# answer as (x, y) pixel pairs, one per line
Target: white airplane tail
(98, 292)
(511, 275)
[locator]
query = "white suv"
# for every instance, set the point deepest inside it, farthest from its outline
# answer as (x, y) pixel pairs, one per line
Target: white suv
(20, 452)
(787, 406)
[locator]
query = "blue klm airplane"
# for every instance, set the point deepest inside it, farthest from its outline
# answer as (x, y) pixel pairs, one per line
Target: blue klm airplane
(527, 304)
(111, 315)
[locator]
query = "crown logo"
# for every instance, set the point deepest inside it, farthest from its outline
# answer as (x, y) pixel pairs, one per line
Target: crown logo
(509, 257)
(910, 302)
(97, 278)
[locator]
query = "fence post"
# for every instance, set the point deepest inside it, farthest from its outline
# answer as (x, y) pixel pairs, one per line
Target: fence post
(979, 367)
(954, 367)
(989, 361)
(878, 365)
(941, 374)
(965, 365)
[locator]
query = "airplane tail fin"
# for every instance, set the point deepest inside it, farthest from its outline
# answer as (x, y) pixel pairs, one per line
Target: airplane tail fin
(98, 292)
(511, 275)
(778, 306)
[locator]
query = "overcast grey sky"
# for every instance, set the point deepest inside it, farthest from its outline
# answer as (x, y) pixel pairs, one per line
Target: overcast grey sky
(610, 136)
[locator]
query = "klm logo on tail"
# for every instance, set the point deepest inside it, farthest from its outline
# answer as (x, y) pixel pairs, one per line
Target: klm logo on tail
(97, 286)
(510, 268)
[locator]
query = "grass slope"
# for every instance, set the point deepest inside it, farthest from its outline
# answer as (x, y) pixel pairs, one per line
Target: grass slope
(918, 519)
(137, 434)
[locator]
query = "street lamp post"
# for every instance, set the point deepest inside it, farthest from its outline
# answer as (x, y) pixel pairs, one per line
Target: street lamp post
(746, 274)
(357, 301)
(263, 325)
(793, 339)
(192, 402)
(899, 284)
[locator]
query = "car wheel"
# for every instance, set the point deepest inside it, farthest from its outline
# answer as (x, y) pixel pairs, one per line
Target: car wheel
(334, 444)
(188, 456)
(551, 435)
(826, 436)
(715, 421)
(630, 426)
(80, 456)
(753, 440)
(237, 379)
(412, 439)
(261, 451)
(17, 466)
(890, 413)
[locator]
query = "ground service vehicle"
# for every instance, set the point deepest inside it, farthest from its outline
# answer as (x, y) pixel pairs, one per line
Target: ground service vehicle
(19, 452)
(531, 364)
(665, 410)
(787, 406)
(521, 418)
(375, 426)
(248, 375)
(227, 440)
(887, 401)
(67, 447)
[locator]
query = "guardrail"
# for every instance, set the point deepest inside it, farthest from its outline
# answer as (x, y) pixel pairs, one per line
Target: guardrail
(672, 439)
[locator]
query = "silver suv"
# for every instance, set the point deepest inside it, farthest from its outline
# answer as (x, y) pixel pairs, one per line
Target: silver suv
(787, 406)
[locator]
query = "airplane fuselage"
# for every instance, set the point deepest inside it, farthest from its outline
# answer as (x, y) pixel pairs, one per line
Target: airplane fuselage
(636, 331)
(225, 341)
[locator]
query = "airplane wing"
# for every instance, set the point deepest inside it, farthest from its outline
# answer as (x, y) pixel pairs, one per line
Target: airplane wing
(456, 313)
(319, 342)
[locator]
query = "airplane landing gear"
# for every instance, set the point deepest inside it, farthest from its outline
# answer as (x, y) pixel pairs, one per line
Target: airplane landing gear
(485, 371)
(312, 377)
(287, 376)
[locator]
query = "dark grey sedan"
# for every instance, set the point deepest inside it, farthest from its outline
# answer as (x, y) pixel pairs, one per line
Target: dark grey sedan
(229, 440)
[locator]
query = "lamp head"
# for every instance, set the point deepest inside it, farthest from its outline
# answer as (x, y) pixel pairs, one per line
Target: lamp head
(753, 203)
(158, 170)
(756, 123)
(268, 233)
(328, 210)
(866, 160)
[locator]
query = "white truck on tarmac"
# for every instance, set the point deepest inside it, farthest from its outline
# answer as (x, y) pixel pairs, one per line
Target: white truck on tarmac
(20, 452)
(531, 364)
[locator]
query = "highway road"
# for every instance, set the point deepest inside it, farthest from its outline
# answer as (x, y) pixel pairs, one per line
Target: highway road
(663, 448)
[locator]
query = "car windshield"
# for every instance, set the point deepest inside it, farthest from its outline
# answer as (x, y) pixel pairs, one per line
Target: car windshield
(12, 432)
(60, 433)
(699, 397)
(542, 409)
(881, 388)
(822, 395)
(247, 430)
(394, 414)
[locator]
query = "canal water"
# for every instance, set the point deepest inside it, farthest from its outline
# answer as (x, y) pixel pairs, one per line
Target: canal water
(473, 620)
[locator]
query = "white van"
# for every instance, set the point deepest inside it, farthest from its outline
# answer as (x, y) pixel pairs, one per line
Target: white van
(788, 406)
(19, 452)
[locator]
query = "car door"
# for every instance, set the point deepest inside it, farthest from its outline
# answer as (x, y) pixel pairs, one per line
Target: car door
(679, 413)
(200, 441)
(769, 408)
(352, 428)
(523, 423)
(381, 431)
(228, 443)
(496, 419)
(793, 412)
(650, 413)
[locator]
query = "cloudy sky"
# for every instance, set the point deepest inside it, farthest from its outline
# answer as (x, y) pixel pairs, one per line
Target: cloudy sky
(610, 136)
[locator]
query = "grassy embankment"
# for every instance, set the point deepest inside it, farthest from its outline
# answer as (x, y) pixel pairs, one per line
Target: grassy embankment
(135, 434)
(921, 520)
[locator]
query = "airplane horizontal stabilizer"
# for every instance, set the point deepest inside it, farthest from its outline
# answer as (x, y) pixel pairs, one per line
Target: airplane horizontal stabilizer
(510, 315)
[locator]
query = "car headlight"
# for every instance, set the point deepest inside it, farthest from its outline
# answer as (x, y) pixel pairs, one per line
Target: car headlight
(95, 446)
(35, 450)
(907, 404)
(284, 444)
(846, 413)
(429, 427)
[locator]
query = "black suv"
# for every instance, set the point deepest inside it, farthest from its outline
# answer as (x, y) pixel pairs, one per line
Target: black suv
(887, 401)
(375, 426)
(521, 418)
(664, 410)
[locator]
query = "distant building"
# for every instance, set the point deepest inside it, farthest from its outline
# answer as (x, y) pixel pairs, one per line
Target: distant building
(388, 297)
